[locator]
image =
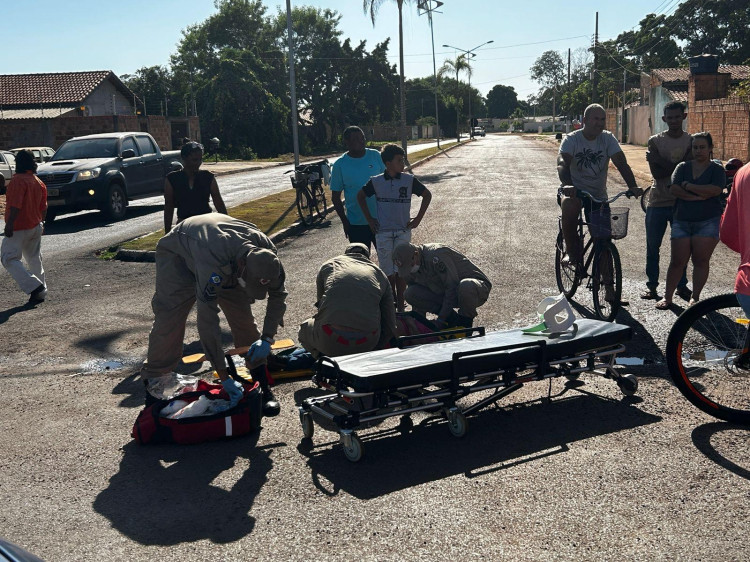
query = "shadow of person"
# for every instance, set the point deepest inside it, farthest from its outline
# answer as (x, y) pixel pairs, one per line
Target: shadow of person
(173, 494)
(6, 314)
(715, 441)
(643, 346)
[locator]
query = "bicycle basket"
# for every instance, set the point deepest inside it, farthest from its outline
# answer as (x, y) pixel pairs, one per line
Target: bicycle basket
(619, 222)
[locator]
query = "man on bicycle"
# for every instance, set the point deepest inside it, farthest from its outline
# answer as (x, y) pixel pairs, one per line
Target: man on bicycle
(582, 162)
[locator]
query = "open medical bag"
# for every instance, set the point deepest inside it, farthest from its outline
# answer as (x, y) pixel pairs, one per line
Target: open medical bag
(151, 427)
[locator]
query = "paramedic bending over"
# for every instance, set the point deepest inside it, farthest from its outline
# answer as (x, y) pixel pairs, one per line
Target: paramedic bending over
(188, 189)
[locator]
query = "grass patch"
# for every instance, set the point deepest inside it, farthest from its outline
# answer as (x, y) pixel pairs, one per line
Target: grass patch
(271, 214)
(434, 150)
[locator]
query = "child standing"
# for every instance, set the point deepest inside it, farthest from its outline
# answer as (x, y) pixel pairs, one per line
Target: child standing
(393, 190)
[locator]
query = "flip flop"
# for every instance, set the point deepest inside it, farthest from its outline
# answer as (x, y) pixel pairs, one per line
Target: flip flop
(663, 305)
(649, 294)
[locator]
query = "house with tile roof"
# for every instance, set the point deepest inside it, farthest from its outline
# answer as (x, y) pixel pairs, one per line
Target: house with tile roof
(48, 109)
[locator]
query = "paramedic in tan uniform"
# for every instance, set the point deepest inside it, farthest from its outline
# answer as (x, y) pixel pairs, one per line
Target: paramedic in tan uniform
(440, 280)
(355, 307)
(220, 263)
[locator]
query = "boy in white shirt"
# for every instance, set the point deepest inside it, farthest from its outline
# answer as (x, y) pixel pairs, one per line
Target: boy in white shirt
(393, 190)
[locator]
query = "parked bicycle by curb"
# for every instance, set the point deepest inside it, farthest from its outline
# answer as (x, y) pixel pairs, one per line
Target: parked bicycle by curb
(309, 182)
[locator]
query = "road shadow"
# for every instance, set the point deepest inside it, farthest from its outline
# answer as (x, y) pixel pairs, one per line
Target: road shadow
(5, 315)
(430, 179)
(172, 494)
(496, 440)
(67, 224)
(643, 346)
(702, 436)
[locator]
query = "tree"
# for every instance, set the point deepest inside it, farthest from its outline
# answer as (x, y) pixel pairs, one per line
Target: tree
(372, 7)
(152, 84)
(460, 64)
(716, 27)
(501, 101)
(549, 69)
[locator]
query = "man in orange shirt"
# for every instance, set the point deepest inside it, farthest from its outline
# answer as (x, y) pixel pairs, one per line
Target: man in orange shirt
(25, 211)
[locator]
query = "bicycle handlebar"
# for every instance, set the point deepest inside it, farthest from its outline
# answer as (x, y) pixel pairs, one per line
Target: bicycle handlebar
(579, 192)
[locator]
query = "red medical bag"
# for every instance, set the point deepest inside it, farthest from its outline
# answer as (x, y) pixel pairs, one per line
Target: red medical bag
(245, 417)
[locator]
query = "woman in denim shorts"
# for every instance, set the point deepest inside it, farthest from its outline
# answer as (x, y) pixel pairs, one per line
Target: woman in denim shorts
(697, 186)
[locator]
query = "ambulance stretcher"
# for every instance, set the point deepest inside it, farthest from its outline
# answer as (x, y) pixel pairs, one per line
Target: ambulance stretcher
(370, 387)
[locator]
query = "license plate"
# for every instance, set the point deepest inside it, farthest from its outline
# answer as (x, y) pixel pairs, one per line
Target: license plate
(53, 192)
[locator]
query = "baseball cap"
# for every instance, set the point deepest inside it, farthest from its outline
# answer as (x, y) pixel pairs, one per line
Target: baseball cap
(357, 248)
(402, 258)
(263, 270)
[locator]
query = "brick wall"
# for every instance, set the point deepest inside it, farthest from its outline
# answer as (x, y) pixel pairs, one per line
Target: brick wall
(54, 132)
(708, 86)
(728, 121)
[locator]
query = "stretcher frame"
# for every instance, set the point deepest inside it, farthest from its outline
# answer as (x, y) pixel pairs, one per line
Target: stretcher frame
(350, 410)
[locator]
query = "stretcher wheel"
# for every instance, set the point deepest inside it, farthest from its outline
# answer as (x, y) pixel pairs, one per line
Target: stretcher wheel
(308, 426)
(406, 424)
(354, 450)
(457, 424)
(628, 384)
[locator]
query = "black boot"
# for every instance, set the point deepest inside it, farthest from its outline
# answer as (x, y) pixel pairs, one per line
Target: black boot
(271, 406)
(455, 320)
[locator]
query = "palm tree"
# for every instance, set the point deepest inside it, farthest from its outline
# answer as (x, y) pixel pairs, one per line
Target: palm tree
(458, 65)
(372, 6)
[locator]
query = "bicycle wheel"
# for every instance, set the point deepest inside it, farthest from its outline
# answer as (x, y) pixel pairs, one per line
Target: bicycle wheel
(565, 273)
(607, 280)
(707, 356)
(319, 193)
(644, 198)
(306, 206)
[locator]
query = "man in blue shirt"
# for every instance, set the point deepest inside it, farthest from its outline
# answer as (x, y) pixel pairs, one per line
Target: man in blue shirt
(349, 174)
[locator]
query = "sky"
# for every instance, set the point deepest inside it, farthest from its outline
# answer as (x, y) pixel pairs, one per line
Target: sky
(80, 35)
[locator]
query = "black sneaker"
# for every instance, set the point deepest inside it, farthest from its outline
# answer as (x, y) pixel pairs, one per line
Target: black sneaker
(35, 294)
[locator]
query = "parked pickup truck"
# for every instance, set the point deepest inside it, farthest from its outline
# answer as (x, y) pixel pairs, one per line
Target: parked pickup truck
(105, 172)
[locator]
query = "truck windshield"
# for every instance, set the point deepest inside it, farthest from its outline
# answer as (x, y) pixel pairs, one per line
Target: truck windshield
(86, 148)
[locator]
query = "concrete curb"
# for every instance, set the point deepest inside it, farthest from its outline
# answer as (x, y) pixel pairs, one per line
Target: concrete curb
(149, 256)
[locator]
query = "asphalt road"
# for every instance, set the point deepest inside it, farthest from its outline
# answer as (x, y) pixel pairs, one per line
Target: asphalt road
(589, 476)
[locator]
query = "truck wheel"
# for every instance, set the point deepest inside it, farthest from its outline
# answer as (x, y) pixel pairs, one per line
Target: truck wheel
(2, 184)
(116, 202)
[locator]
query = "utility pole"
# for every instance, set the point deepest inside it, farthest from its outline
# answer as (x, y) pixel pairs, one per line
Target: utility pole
(292, 84)
(596, 44)
(427, 6)
(469, 55)
(567, 109)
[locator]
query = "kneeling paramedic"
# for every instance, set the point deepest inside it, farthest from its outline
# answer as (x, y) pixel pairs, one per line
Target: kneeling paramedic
(218, 262)
(440, 280)
(355, 307)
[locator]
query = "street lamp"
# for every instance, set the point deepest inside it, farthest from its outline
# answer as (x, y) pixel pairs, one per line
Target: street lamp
(470, 54)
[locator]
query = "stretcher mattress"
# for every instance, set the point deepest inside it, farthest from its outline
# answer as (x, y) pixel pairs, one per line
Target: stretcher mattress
(384, 369)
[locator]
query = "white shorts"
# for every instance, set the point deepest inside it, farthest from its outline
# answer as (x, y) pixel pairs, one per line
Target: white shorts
(386, 242)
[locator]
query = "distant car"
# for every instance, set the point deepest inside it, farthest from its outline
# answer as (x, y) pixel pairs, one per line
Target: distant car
(41, 153)
(7, 168)
(478, 131)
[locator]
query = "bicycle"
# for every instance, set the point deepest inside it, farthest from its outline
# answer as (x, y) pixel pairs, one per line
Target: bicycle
(310, 197)
(708, 355)
(599, 256)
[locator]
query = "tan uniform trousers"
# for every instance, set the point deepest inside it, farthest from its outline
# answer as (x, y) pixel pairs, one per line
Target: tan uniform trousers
(472, 293)
(324, 339)
(173, 301)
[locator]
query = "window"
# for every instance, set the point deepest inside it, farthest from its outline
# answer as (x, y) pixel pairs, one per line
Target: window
(129, 143)
(146, 145)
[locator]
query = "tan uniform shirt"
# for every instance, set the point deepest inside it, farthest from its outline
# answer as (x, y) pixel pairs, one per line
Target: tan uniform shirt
(211, 246)
(441, 270)
(675, 151)
(355, 294)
